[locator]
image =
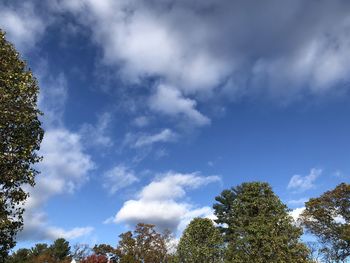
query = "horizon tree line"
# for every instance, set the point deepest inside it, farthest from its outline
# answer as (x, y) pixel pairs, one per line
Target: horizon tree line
(252, 225)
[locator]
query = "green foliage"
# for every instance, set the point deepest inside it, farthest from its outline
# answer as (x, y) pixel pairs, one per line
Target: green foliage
(60, 249)
(328, 217)
(257, 226)
(201, 242)
(20, 256)
(39, 249)
(103, 249)
(58, 252)
(20, 137)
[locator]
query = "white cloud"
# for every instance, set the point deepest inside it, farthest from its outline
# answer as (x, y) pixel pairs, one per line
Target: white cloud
(37, 228)
(303, 183)
(143, 140)
(204, 49)
(162, 202)
(295, 213)
(64, 168)
(169, 101)
(199, 50)
(119, 177)
(24, 27)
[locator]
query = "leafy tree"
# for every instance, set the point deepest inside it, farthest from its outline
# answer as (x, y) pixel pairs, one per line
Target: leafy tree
(144, 245)
(257, 226)
(328, 217)
(201, 242)
(103, 249)
(20, 137)
(58, 252)
(126, 249)
(107, 251)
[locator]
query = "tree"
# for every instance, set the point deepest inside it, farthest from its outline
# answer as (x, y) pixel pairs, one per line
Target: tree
(144, 245)
(20, 256)
(328, 217)
(80, 251)
(39, 249)
(126, 249)
(201, 242)
(60, 249)
(257, 226)
(20, 137)
(107, 251)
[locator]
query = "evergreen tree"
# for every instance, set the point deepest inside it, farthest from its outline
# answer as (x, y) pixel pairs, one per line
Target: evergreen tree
(257, 226)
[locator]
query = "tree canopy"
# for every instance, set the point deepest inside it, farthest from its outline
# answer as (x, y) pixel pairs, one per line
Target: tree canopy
(328, 217)
(257, 226)
(144, 245)
(58, 252)
(201, 242)
(20, 137)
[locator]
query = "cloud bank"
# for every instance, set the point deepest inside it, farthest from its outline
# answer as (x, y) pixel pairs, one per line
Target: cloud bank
(199, 50)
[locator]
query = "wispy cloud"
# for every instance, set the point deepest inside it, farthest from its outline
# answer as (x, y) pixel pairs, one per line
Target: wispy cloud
(138, 140)
(119, 177)
(303, 183)
(97, 135)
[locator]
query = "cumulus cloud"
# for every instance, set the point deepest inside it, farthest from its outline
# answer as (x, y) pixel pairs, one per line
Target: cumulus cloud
(295, 213)
(303, 183)
(162, 202)
(23, 25)
(169, 101)
(64, 169)
(119, 177)
(146, 140)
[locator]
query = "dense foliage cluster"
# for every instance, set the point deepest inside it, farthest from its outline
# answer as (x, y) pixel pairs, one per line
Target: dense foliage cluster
(20, 137)
(257, 226)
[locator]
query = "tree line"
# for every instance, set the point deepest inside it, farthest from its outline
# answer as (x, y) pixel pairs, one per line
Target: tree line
(252, 225)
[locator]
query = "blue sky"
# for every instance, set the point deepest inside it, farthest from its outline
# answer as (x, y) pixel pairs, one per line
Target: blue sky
(152, 108)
